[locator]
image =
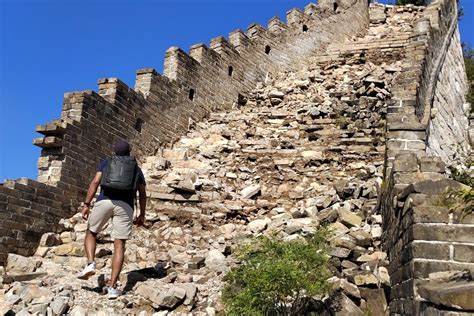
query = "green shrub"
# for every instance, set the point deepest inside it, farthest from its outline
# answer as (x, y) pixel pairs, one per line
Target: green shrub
(461, 202)
(467, 202)
(469, 63)
(461, 176)
(278, 277)
(342, 122)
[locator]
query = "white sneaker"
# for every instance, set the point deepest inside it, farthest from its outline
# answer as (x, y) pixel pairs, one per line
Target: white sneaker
(88, 271)
(113, 293)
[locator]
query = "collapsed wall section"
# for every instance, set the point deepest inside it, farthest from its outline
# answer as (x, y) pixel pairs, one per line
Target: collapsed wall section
(426, 117)
(161, 107)
(192, 85)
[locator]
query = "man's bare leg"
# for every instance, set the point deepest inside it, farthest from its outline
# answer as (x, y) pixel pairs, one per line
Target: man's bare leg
(89, 248)
(117, 261)
(90, 245)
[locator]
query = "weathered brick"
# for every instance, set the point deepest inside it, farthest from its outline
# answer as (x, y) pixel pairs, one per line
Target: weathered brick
(430, 214)
(432, 164)
(405, 163)
(443, 232)
(7, 232)
(416, 145)
(10, 224)
(404, 289)
(20, 218)
(430, 250)
(438, 186)
(422, 269)
(464, 253)
(406, 135)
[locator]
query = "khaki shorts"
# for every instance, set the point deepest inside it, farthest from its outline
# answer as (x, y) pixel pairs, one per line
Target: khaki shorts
(121, 214)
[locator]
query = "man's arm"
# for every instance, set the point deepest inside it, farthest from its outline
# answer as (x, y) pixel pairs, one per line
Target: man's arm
(90, 194)
(142, 200)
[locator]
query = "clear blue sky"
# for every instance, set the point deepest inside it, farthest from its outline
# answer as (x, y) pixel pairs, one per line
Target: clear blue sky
(48, 47)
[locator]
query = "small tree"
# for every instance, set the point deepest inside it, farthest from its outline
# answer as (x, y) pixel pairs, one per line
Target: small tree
(277, 277)
(469, 62)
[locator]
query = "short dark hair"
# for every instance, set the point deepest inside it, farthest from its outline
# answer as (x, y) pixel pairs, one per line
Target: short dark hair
(122, 148)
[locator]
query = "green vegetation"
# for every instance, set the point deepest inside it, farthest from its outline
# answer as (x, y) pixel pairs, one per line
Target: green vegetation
(461, 202)
(469, 62)
(466, 198)
(278, 277)
(462, 176)
(367, 312)
(342, 122)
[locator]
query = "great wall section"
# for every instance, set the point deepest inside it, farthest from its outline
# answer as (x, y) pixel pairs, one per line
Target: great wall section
(347, 114)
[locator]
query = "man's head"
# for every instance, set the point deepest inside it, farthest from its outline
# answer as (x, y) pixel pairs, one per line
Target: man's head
(122, 148)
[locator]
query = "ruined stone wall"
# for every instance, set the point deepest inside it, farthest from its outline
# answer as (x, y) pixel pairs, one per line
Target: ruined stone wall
(427, 112)
(161, 107)
(27, 210)
(427, 115)
(448, 126)
(422, 233)
(206, 79)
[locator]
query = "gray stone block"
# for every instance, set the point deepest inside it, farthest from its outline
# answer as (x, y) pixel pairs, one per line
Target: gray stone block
(438, 186)
(456, 295)
(432, 164)
(405, 163)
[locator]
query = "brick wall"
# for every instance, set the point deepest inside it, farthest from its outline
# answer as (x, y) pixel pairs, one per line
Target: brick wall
(421, 234)
(27, 210)
(158, 111)
(160, 108)
(448, 124)
(426, 116)
(427, 111)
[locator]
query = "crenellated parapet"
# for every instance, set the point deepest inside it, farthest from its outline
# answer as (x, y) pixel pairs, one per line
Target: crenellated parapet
(193, 84)
(161, 106)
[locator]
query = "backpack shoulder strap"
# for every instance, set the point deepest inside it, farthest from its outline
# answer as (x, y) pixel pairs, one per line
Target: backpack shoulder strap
(106, 171)
(137, 175)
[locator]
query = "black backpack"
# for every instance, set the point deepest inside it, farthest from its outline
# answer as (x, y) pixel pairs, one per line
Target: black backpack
(121, 174)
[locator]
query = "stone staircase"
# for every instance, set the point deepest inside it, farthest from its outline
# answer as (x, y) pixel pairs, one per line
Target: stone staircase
(306, 148)
(389, 33)
(303, 148)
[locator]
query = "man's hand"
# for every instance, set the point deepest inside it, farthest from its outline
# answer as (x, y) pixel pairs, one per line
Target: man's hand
(142, 193)
(140, 221)
(86, 209)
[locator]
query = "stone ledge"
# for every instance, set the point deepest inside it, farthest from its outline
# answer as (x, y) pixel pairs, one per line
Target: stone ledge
(456, 295)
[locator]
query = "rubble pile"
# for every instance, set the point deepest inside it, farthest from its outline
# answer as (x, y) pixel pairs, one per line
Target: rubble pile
(302, 149)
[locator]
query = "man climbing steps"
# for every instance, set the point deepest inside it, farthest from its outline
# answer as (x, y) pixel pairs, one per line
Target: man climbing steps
(120, 178)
